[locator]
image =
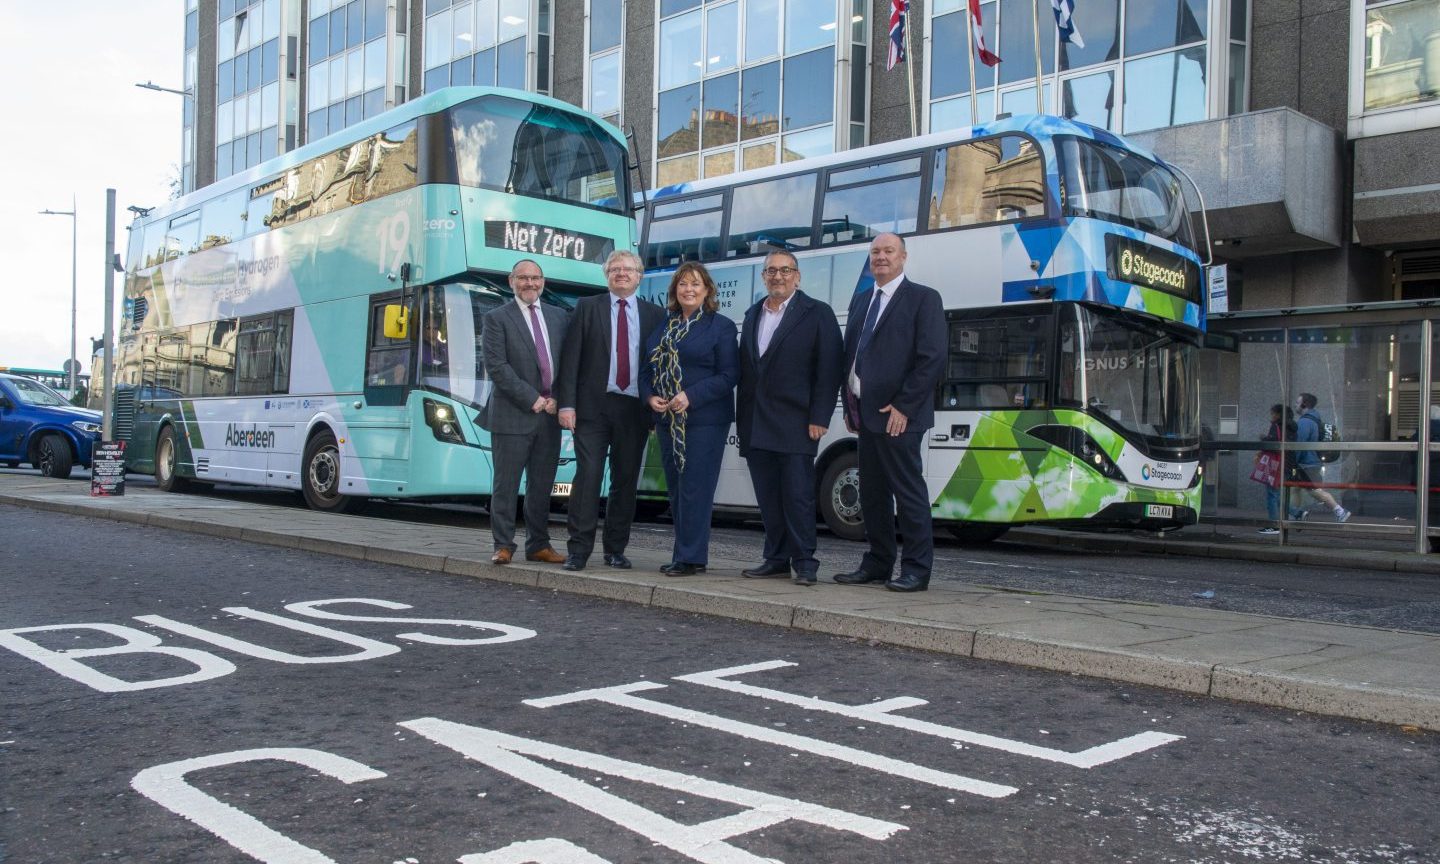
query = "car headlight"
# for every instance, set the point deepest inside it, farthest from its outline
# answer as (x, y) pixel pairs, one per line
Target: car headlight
(86, 426)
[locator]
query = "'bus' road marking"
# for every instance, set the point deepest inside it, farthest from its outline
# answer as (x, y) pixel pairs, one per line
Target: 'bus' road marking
(879, 713)
(622, 696)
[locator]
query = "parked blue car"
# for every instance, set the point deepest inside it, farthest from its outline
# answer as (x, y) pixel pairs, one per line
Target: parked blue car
(39, 426)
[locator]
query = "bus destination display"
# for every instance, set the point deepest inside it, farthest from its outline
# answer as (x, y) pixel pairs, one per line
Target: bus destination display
(1151, 267)
(534, 239)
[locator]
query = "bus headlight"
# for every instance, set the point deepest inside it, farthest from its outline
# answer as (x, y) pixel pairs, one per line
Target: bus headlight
(442, 422)
(1081, 446)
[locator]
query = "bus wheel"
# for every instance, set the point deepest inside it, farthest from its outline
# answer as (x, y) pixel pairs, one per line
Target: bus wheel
(840, 497)
(977, 533)
(320, 477)
(166, 480)
(53, 457)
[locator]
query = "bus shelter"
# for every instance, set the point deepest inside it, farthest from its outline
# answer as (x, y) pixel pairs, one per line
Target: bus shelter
(1372, 370)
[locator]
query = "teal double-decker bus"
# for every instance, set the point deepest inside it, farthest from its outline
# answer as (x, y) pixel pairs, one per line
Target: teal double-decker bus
(314, 323)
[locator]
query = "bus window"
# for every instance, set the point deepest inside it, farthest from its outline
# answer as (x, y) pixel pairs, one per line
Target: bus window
(694, 237)
(183, 236)
(387, 361)
(223, 219)
(992, 180)
(997, 360)
(863, 202)
(262, 355)
(212, 358)
(154, 244)
(1106, 182)
(774, 214)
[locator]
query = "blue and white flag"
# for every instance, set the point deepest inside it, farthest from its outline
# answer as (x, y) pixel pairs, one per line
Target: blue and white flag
(1064, 13)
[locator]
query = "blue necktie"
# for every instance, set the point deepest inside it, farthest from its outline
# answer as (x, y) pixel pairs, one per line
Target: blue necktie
(865, 332)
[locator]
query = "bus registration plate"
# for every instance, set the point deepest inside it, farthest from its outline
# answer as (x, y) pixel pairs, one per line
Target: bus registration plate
(1159, 511)
(561, 489)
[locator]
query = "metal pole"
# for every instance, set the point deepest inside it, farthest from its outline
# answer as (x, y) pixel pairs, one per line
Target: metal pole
(970, 45)
(107, 426)
(1422, 438)
(74, 240)
(1039, 77)
(909, 64)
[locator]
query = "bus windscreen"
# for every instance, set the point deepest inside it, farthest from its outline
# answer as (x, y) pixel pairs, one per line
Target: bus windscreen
(1115, 185)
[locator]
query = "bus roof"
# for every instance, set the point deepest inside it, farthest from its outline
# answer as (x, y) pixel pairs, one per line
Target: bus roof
(430, 103)
(1041, 126)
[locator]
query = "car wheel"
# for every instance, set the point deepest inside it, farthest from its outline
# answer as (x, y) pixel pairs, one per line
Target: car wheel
(53, 457)
(320, 477)
(166, 479)
(977, 533)
(840, 497)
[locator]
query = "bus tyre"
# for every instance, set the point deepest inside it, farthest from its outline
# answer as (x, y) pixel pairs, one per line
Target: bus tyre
(53, 457)
(166, 457)
(977, 533)
(840, 497)
(320, 477)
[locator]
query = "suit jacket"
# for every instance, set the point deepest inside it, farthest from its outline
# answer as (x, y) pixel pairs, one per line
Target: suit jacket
(709, 368)
(585, 360)
(514, 368)
(905, 357)
(795, 383)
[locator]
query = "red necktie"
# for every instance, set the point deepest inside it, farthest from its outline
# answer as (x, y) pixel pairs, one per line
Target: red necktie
(622, 347)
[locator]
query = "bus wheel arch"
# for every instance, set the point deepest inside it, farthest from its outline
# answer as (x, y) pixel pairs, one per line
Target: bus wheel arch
(838, 496)
(167, 458)
(53, 455)
(320, 474)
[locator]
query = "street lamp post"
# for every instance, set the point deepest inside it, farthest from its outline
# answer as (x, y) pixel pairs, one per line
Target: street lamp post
(74, 365)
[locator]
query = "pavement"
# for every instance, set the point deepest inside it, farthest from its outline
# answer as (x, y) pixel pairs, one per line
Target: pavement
(1365, 673)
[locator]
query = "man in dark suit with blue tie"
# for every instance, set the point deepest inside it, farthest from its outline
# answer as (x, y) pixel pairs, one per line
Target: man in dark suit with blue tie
(895, 355)
(521, 349)
(599, 402)
(791, 367)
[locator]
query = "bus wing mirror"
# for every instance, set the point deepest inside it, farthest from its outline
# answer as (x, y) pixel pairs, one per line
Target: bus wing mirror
(396, 322)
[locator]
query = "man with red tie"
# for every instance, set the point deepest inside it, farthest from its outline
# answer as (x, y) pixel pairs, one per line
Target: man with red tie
(521, 347)
(599, 402)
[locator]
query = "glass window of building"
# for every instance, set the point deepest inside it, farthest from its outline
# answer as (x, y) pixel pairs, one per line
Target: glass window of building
(769, 84)
(484, 42)
(1145, 63)
(604, 95)
(255, 110)
(1401, 53)
(347, 51)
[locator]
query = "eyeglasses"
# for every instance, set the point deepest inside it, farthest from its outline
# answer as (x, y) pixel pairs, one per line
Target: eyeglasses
(771, 272)
(622, 269)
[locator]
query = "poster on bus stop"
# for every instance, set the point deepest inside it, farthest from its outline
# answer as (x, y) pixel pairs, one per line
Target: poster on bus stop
(107, 469)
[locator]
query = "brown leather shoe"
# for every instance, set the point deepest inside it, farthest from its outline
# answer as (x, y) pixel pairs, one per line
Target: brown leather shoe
(502, 556)
(547, 555)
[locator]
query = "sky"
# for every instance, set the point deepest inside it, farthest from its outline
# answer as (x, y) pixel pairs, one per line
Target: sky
(75, 124)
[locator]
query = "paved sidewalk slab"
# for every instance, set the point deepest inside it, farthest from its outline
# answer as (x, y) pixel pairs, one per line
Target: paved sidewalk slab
(1359, 672)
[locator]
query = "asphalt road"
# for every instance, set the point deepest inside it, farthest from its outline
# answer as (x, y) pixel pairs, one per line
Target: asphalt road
(428, 741)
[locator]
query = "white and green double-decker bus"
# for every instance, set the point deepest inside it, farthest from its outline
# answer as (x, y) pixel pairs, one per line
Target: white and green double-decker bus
(314, 322)
(1071, 275)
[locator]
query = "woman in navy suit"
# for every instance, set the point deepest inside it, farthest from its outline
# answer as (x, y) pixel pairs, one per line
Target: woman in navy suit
(689, 382)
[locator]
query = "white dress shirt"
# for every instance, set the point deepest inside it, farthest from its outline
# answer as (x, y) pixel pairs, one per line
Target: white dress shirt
(769, 323)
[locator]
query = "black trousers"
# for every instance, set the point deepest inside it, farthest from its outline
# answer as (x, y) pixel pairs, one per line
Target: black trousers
(536, 455)
(616, 434)
(892, 481)
(785, 490)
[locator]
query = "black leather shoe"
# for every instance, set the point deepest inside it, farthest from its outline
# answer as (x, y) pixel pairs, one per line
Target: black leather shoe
(804, 579)
(617, 561)
(766, 570)
(675, 568)
(908, 582)
(574, 562)
(858, 577)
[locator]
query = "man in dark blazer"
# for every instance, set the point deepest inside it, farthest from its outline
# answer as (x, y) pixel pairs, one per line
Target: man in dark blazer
(894, 357)
(599, 402)
(791, 366)
(521, 346)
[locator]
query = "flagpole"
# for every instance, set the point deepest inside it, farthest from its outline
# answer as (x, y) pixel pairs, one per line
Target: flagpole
(970, 44)
(909, 71)
(1059, 94)
(1039, 69)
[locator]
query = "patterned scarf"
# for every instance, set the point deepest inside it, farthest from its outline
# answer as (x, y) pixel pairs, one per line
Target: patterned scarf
(665, 360)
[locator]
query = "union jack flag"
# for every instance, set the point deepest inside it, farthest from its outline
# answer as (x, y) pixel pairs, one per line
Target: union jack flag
(899, 11)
